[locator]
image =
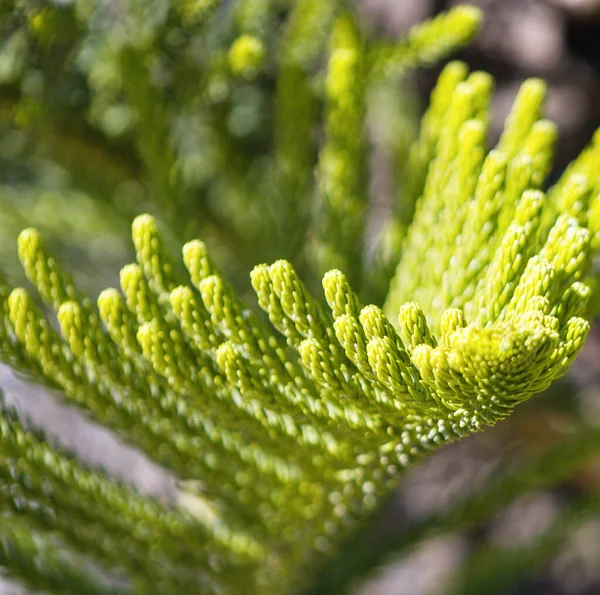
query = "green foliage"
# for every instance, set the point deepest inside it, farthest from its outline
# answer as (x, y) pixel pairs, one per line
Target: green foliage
(207, 115)
(286, 435)
(554, 465)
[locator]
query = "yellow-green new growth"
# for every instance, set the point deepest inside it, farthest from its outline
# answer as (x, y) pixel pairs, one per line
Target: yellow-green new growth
(295, 431)
(246, 56)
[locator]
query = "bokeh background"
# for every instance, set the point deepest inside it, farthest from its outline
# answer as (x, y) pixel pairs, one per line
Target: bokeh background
(82, 192)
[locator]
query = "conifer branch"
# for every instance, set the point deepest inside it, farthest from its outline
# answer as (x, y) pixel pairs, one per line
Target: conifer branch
(426, 42)
(38, 563)
(341, 167)
(288, 435)
(365, 553)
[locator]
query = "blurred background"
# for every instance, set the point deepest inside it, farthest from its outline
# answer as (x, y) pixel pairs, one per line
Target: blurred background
(187, 135)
